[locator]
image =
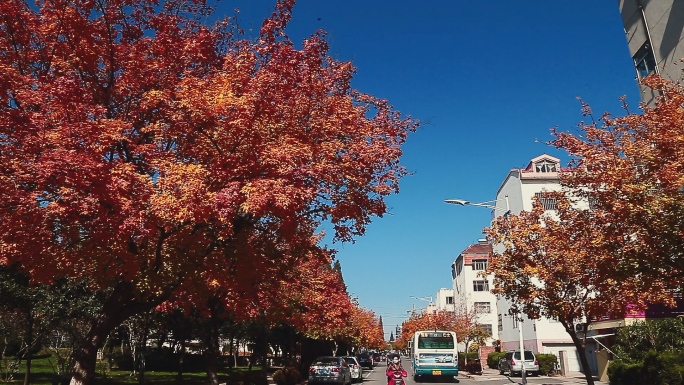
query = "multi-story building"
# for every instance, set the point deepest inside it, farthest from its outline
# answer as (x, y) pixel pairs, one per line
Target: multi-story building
(472, 289)
(516, 194)
(444, 299)
(655, 32)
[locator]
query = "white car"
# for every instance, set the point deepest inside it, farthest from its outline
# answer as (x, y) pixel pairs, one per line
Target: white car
(355, 367)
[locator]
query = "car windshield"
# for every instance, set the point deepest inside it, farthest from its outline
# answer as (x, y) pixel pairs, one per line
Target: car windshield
(326, 361)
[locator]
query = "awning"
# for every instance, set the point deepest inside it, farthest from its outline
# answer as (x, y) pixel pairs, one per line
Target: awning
(599, 342)
(601, 335)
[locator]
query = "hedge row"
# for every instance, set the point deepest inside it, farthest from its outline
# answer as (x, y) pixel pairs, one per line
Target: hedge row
(657, 368)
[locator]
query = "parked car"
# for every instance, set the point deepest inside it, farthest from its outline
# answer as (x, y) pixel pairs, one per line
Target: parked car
(356, 369)
(330, 369)
(376, 357)
(365, 360)
(512, 364)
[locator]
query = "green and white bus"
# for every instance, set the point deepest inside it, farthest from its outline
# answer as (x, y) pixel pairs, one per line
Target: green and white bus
(433, 353)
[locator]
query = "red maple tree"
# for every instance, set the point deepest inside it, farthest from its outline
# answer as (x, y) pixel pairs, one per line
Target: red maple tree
(141, 149)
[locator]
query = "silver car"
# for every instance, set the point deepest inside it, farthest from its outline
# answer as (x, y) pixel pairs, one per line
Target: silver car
(355, 368)
(511, 363)
(329, 369)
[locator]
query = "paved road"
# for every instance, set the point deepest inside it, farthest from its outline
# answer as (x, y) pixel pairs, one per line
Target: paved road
(490, 377)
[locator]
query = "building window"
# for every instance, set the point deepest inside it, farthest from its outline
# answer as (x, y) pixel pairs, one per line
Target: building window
(480, 285)
(546, 166)
(644, 61)
(549, 203)
(515, 322)
(500, 322)
(480, 264)
(450, 300)
(487, 328)
(483, 307)
(459, 268)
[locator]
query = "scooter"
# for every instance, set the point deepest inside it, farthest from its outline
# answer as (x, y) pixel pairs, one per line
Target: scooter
(396, 377)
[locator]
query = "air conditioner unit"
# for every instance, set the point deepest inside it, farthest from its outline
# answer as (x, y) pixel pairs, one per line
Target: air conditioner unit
(579, 327)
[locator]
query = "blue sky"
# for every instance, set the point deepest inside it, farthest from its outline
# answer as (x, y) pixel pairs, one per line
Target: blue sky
(488, 79)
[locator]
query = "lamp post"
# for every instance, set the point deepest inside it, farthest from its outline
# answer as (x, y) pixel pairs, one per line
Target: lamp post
(485, 204)
(523, 372)
(492, 205)
(426, 299)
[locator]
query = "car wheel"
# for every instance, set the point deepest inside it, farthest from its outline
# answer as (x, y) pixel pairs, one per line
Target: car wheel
(501, 371)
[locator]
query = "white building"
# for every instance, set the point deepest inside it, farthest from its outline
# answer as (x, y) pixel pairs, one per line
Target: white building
(516, 194)
(444, 299)
(472, 290)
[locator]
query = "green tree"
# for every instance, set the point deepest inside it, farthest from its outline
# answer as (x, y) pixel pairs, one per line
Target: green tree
(634, 341)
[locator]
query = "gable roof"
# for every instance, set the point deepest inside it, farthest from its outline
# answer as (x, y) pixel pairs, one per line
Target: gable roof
(547, 157)
(478, 248)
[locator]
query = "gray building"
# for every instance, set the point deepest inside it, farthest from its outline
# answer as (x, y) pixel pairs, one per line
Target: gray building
(654, 31)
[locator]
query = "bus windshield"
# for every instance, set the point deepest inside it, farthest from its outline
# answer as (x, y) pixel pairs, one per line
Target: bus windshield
(435, 342)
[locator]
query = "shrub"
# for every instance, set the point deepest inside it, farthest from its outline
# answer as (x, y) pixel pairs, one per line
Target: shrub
(547, 362)
(465, 357)
(249, 377)
(621, 373)
(474, 366)
(287, 376)
(493, 359)
(161, 360)
(663, 368)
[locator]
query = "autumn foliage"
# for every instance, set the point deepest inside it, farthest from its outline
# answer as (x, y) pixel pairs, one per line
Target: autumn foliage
(632, 170)
(462, 321)
(149, 153)
(613, 244)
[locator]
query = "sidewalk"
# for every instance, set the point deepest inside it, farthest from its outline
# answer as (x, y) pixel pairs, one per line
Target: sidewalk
(571, 378)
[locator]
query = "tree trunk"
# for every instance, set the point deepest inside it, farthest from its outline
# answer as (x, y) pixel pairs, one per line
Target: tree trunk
(212, 352)
(580, 346)
(143, 348)
(27, 355)
(181, 361)
(233, 354)
(117, 308)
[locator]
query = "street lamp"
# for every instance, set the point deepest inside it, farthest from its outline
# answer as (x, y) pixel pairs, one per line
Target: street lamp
(426, 299)
(485, 204)
(492, 205)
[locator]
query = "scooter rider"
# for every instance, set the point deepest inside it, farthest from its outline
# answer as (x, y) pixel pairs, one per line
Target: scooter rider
(393, 367)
